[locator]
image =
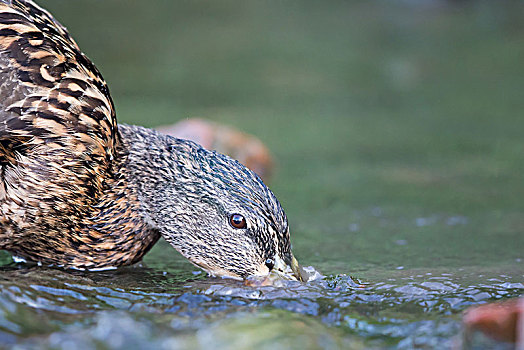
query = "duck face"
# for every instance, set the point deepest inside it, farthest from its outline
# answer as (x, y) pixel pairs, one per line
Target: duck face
(221, 216)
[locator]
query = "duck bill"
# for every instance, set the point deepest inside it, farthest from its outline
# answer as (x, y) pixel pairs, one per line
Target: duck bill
(298, 271)
(291, 268)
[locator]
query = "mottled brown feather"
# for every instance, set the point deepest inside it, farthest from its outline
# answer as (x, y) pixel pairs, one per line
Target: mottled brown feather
(77, 192)
(58, 151)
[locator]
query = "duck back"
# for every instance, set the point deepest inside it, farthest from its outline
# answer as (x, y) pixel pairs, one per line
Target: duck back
(59, 143)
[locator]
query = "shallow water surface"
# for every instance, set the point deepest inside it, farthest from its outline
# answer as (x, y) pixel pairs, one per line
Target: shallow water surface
(142, 307)
(397, 131)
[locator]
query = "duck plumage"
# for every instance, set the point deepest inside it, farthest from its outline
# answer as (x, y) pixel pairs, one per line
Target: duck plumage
(58, 138)
(77, 190)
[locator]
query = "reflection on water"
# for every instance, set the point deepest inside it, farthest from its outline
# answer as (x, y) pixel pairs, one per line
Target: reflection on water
(141, 307)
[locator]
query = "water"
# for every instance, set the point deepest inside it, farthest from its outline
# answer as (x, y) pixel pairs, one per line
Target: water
(398, 133)
(141, 307)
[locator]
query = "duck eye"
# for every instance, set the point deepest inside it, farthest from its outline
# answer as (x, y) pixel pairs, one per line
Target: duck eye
(237, 221)
(270, 263)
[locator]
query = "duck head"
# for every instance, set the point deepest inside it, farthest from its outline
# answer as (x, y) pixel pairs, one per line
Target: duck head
(213, 210)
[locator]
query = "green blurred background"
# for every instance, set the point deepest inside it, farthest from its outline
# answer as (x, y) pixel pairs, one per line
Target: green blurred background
(396, 125)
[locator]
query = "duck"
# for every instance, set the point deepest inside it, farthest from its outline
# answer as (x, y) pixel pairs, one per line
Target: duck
(245, 148)
(80, 191)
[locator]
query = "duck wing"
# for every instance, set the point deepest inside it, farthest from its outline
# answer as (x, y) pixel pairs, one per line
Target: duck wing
(58, 130)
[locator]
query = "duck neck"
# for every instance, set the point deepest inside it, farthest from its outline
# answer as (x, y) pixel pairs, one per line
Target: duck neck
(122, 230)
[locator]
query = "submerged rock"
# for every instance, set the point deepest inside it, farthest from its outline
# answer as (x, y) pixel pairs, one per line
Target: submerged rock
(502, 321)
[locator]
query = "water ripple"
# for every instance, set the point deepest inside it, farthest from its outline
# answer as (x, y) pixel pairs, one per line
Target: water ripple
(409, 311)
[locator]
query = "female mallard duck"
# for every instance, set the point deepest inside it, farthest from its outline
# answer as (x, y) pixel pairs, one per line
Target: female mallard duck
(78, 191)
